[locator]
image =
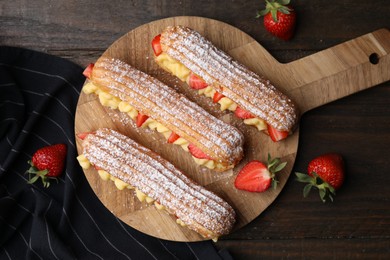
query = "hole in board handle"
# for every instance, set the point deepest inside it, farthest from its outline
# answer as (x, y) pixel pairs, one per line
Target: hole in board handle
(374, 58)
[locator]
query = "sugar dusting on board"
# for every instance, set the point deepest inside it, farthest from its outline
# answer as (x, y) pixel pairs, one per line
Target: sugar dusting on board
(122, 118)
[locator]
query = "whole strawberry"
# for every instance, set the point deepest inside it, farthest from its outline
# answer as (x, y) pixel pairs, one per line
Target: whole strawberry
(279, 18)
(326, 173)
(258, 177)
(47, 163)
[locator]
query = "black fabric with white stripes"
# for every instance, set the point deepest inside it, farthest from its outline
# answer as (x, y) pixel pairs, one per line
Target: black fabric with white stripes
(38, 97)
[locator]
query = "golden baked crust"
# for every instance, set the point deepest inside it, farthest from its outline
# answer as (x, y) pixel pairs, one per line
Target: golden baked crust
(250, 91)
(123, 158)
(219, 140)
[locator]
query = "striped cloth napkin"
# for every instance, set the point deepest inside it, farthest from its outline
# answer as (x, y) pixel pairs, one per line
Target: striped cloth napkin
(38, 98)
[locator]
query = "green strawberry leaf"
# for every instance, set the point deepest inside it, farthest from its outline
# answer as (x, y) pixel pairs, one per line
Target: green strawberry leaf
(284, 2)
(301, 177)
(45, 183)
(323, 195)
(33, 179)
(280, 167)
(274, 183)
(262, 13)
(284, 10)
(274, 166)
(274, 15)
(306, 190)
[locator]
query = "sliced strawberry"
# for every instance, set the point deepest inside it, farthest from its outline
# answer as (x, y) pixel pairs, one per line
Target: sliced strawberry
(242, 113)
(217, 97)
(141, 118)
(97, 168)
(254, 177)
(156, 45)
(173, 137)
(257, 177)
(275, 134)
(195, 82)
(196, 152)
(83, 135)
(88, 70)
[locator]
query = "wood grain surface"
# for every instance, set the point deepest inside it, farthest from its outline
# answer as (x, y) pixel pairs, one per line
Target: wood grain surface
(317, 80)
(357, 224)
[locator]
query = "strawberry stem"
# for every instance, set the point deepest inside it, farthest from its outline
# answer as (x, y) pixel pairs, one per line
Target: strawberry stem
(325, 190)
(274, 165)
(34, 174)
(273, 7)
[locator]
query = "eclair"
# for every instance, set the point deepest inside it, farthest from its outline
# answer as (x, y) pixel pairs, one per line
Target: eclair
(192, 58)
(211, 142)
(156, 181)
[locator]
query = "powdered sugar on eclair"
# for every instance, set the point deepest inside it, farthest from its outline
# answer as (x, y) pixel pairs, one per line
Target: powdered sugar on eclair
(143, 169)
(150, 96)
(250, 91)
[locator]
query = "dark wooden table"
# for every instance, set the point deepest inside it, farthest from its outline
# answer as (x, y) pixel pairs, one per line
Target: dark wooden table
(357, 223)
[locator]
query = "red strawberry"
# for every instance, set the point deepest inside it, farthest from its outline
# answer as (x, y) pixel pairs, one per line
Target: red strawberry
(217, 97)
(325, 172)
(141, 118)
(173, 137)
(97, 168)
(195, 82)
(156, 45)
(88, 70)
(279, 18)
(83, 135)
(196, 152)
(275, 134)
(47, 163)
(257, 177)
(242, 113)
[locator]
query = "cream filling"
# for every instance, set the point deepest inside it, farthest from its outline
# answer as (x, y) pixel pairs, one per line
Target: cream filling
(121, 185)
(113, 102)
(183, 73)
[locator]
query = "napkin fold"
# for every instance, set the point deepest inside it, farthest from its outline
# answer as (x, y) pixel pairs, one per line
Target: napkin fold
(38, 98)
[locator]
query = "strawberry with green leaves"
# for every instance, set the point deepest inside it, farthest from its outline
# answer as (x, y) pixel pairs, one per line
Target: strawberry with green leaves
(47, 163)
(258, 177)
(326, 173)
(279, 18)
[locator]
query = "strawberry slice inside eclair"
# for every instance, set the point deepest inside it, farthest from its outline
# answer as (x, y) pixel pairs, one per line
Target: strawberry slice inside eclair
(178, 69)
(113, 100)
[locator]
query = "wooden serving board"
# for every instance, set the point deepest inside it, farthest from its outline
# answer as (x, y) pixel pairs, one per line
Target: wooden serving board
(311, 82)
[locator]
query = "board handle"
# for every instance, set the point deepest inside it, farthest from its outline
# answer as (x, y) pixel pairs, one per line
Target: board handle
(341, 70)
